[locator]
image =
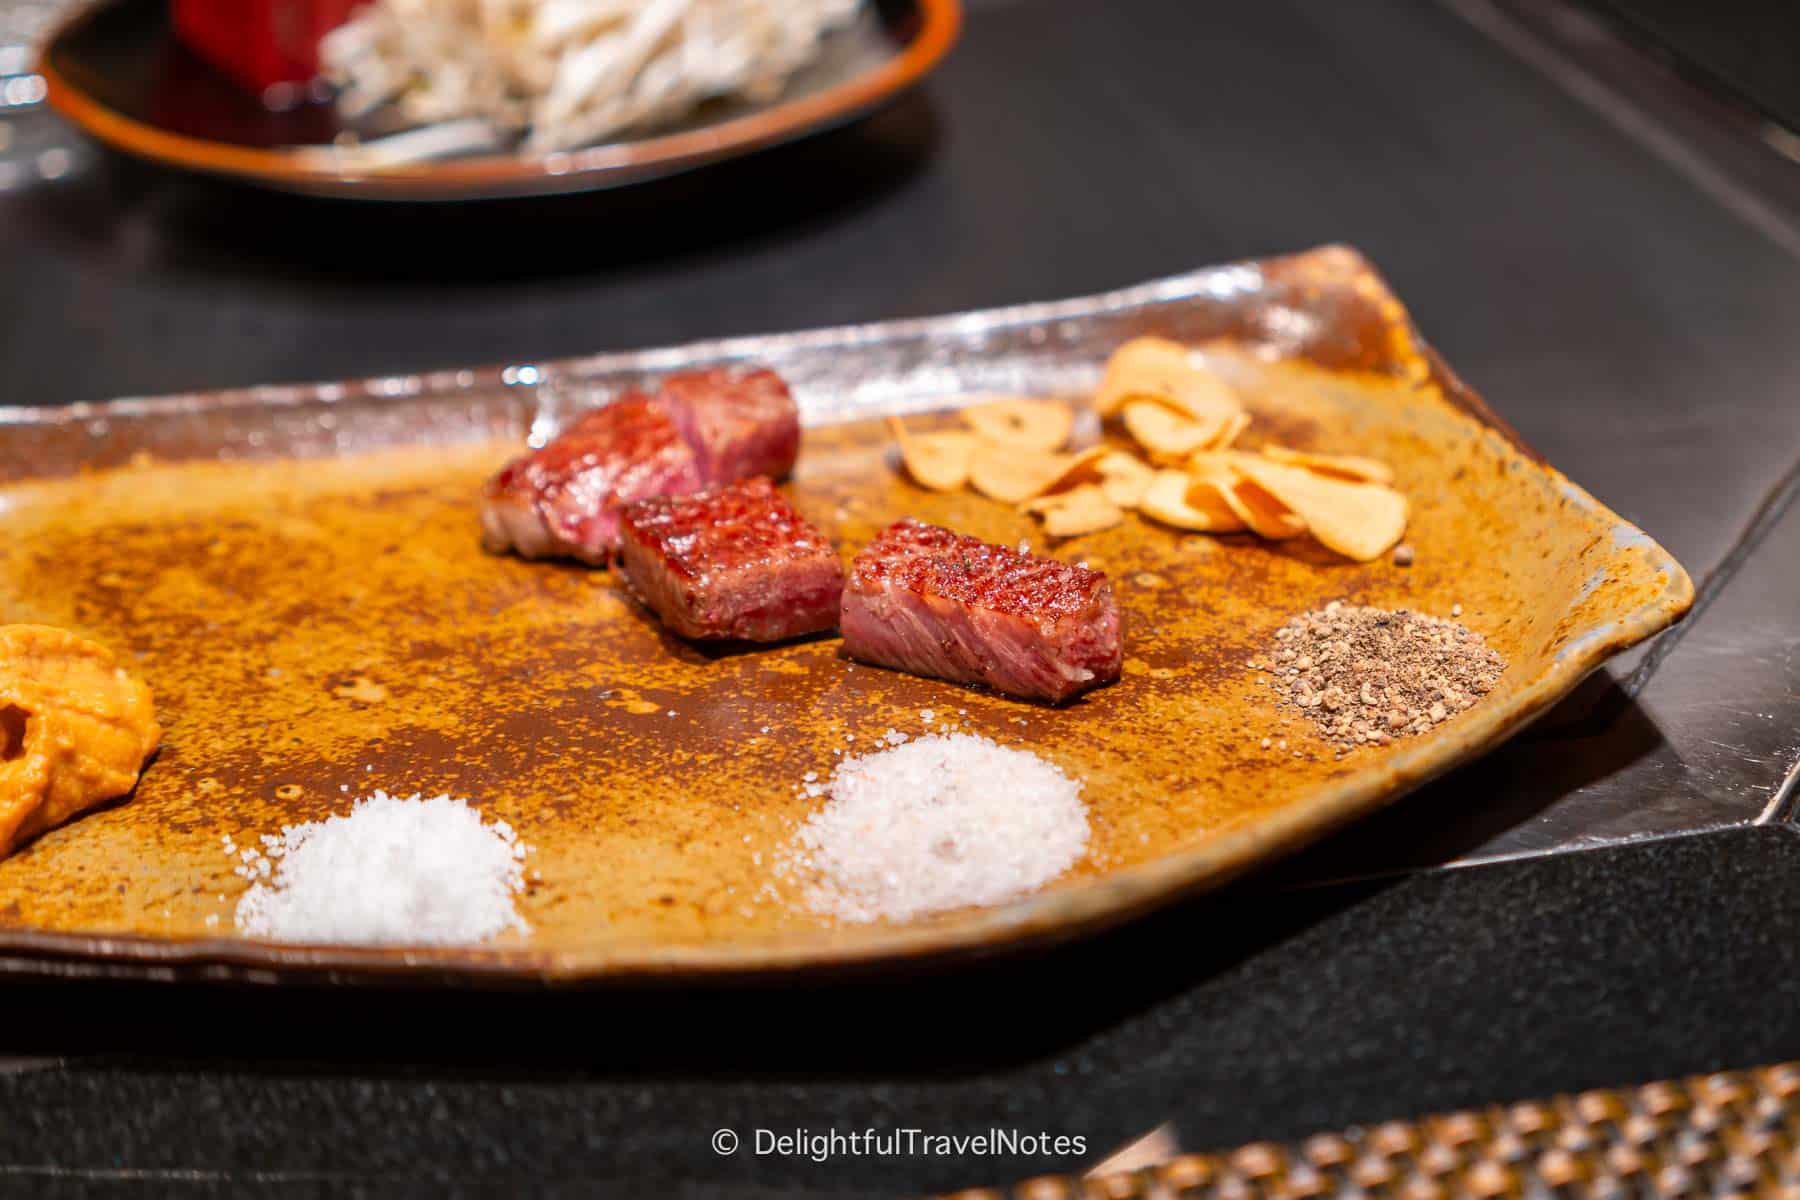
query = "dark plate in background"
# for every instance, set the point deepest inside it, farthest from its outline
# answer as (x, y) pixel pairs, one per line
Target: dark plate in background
(118, 72)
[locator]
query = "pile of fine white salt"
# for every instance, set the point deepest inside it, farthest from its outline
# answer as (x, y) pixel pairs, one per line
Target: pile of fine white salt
(393, 871)
(941, 822)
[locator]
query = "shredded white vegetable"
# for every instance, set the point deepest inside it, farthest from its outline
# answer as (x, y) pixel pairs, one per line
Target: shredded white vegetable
(571, 72)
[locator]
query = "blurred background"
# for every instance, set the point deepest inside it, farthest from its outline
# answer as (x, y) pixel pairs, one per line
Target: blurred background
(1567, 162)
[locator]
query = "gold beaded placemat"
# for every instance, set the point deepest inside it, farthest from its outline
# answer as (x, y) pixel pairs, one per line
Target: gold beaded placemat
(1736, 1133)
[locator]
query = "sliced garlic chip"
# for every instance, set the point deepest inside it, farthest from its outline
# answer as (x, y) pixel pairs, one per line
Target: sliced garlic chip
(1167, 499)
(1358, 520)
(936, 461)
(1353, 467)
(1022, 421)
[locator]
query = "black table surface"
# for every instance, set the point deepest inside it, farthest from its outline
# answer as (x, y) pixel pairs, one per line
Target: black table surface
(1637, 327)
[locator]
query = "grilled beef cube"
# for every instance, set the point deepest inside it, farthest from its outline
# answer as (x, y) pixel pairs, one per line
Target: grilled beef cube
(932, 602)
(732, 562)
(702, 427)
(740, 423)
(564, 500)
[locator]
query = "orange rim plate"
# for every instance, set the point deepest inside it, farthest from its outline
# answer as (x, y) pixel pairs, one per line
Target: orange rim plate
(117, 71)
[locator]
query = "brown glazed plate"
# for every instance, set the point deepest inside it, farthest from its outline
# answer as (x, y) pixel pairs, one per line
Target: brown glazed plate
(117, 71)
(295, 571)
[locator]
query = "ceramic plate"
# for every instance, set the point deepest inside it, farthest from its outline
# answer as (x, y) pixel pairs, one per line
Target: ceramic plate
(119, 73)
(296, 572)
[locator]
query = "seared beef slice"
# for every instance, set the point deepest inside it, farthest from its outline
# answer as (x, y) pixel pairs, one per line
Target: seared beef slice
(702, 427)
(563, 500)
(731, 562)
(739, 422)
(932, 602)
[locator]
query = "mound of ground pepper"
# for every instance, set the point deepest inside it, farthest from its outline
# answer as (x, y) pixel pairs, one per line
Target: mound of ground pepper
(1370, 675)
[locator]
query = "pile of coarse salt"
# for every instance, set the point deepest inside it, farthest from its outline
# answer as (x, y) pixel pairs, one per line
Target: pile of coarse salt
(393, 871)
(939, 822)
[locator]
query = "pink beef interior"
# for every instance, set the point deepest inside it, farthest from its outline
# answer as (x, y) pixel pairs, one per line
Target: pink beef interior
(702, 427)
(739, 422)
(932, 602)
(735, 562)
(626, 451)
